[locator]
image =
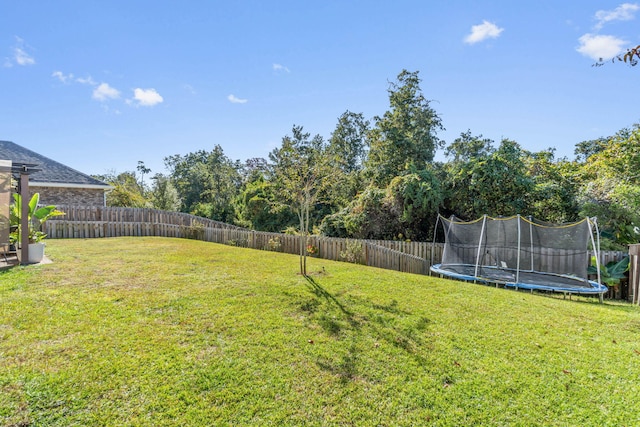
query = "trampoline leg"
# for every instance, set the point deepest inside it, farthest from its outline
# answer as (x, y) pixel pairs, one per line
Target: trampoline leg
(601, 297)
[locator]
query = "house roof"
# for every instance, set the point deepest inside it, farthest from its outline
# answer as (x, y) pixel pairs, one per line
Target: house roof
(51, 173)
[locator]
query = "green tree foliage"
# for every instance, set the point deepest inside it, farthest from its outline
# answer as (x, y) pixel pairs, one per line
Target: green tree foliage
(253, 168)
(468, 155)
(404, 135)
(611, 189)
(302, 174)
(369, 216)
(484, 180)
(127, 191)
(468, 147)
(555, 187)
(256, 207)
(142, 170)
(508, 186)
(347, 150)
(586, 149)
(348, 143)
(207, 182)
(416, 198)
(163, 194)
(405, 209)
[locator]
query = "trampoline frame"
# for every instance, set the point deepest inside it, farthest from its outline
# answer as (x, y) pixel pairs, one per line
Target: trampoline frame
(595, 289)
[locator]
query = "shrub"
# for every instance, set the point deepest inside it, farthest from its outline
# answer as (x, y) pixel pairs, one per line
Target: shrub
(353, 253)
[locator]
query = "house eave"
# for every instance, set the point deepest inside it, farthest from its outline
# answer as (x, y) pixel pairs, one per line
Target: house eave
(70, 185)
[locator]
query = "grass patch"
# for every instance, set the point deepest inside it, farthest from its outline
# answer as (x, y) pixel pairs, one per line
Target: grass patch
(163, 332)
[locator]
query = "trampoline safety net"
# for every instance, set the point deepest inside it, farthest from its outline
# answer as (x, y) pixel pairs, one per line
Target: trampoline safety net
(510, 249)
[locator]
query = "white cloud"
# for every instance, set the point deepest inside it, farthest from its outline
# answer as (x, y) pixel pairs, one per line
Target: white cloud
(235, 100)
(62, 77)
(624, 12)
(600, 47)
(20, 55)
(486, 30)
(70, 78)
(87, 81)
(105, 92)
(147, 97)
(280, 68)
(189, 88)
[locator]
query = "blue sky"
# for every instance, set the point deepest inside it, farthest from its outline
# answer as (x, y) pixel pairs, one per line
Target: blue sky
(100, 85)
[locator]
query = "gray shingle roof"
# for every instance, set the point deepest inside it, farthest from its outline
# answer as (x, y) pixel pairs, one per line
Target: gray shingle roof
(52, 172)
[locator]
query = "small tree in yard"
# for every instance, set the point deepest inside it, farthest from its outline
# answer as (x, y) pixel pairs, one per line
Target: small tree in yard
(301, 170)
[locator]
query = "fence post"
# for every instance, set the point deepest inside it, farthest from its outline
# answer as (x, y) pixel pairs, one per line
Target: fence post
(634, 274)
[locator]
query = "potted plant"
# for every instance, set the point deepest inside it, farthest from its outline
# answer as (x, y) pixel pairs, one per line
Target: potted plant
(36, 217)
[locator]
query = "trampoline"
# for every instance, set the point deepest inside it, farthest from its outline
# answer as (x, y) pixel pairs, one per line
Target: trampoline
(520, 253)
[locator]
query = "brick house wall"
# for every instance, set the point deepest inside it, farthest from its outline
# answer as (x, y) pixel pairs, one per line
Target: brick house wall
(69, 196)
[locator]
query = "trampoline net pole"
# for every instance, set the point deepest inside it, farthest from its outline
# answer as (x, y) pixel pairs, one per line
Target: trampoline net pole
(596, 250)
(433, 245)
(484, 224)
(518, 261)
(531, 243)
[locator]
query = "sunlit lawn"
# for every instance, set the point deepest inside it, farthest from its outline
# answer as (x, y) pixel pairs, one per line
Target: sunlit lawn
(155, 331)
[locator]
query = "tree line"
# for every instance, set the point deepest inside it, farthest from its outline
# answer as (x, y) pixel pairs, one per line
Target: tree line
(377, 179)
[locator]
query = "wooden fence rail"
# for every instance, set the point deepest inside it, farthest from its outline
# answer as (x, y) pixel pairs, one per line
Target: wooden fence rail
(96, 221)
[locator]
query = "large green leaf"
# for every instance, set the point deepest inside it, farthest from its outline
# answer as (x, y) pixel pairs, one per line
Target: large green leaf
(618, 269)
(611, 273)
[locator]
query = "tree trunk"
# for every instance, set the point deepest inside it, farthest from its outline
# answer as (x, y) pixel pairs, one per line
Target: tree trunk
(306, 236)
(301, 239)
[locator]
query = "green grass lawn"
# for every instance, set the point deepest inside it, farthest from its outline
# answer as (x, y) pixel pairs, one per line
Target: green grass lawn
(168, 332)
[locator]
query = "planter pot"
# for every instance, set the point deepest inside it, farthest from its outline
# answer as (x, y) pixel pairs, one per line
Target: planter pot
(36, 253)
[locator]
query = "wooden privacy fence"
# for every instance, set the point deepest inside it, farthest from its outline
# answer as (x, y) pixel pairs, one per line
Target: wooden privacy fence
(96, 221)
(140, 215)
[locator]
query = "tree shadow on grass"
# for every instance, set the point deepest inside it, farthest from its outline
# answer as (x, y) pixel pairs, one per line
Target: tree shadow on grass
(321, 292)
(361, 321)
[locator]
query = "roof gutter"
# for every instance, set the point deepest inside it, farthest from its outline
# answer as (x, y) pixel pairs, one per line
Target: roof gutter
(69, 185)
